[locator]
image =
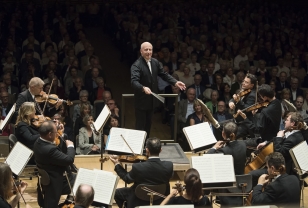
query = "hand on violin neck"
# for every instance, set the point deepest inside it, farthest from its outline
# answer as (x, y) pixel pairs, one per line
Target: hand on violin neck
(219, 145)
(263, 179)
(114, 159)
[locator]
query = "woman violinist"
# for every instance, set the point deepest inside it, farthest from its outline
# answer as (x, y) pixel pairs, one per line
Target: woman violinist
(6, 188)
(193, 191)
(26, 133)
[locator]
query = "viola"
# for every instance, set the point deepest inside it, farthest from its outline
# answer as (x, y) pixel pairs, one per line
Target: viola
(51, 99)
(251, 108)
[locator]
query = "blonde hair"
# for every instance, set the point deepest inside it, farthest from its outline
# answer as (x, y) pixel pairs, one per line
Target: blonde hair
(83, 107)
(26, 109)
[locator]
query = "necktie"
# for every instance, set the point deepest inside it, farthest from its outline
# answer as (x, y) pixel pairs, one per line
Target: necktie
(149, 65)
(197, 91)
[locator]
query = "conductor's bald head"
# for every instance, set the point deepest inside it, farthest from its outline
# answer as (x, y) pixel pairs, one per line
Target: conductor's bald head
(84, 195)
(146, 50)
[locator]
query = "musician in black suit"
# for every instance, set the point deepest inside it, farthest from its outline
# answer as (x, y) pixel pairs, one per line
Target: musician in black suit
(283, 191)
(152, 172)
(50, 158)
(35, 88)
(84, 196)
(236, 148)
(144, 74)
(240, 103)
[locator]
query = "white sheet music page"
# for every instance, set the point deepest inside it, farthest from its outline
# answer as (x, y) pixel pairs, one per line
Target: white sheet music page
(301, 154)
(199, 135)
(102, 118)
(213, 168)
(104, 193)
(18, 158)
(134, 138)
(8, 117)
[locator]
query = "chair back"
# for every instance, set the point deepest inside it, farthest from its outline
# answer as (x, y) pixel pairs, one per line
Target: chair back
(143, 195)
(241, 180)
(44, 177)
(12, 141)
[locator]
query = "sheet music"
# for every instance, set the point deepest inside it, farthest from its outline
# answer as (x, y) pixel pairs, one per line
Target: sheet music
(160, 98)
(103, 194)
(301, 154)
(134, 138)
(7, 118)
(102, 118)
(18, 158)
(199, 135)
(213, 168)
(171, 206)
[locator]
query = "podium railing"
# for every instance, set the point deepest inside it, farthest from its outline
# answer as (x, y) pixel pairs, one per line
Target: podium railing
(175, 96)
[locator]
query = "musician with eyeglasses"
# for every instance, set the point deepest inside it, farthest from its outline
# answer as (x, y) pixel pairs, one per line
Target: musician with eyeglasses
(283, 191)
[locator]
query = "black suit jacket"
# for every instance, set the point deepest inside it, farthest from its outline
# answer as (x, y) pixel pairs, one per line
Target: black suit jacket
(26, 134)
(202, 88)
(50, 158)
(238, 151)
(283, 145)
(279, 88)
(285, 190)
(299, 92)
(8, 108)
(142, 77)
(152, 172)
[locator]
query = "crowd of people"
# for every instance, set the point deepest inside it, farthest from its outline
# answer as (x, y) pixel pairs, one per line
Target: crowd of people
(228, 56)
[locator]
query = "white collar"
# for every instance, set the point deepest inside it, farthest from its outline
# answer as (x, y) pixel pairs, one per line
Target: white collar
(287, 134)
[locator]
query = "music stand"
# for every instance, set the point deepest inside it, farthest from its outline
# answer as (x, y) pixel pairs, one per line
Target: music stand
(8, 117)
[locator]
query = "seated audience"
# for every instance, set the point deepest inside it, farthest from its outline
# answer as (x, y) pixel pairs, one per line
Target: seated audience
(97, 93)
(212, 104)
(186, 107)
(83, 97)
(193, 191)
(230, 77)
(187, 79)
(113, 121)
(85, 109)
(221, 114)
(76, 89)
(198, 116)
(197, 86)
(89, 142)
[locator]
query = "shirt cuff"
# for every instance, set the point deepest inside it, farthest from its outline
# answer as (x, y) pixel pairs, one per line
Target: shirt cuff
(213, 148)
(259, 184)
(70, 146)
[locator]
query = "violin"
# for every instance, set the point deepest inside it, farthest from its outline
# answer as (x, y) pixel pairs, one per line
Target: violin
(125, 158)
(51, 99)
(179, 187)
(251, 108)
(241, 94)
(38, 120)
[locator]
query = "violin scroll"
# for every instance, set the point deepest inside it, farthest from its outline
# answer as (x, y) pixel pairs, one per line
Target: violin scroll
(179, 187)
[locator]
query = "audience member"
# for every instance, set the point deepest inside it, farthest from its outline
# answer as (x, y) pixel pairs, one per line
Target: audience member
(295, 90)
(197, 86)
(212, 104)
(85, 109)
(83, 97)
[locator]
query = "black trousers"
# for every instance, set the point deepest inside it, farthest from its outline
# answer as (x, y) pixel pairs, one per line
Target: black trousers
(144, 120)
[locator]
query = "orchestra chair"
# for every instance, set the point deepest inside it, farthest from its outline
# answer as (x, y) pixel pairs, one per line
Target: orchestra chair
(71, 108)
(43, 179)
(243, 185)
(150, 196)
(29, 169)
(4, 146)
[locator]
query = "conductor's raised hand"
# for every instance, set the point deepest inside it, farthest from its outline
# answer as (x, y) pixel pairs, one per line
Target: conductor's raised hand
(147, 90)
(180, 85)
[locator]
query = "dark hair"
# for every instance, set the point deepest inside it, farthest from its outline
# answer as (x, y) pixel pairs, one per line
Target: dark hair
(230, 129)
(275, 159)
(113, 117)
(46, 128)
(253, 79)
(296, 117)
(266, 90)
(49, 44)
(84, 198)
(5, 180)
(154, 146)
(193, 184)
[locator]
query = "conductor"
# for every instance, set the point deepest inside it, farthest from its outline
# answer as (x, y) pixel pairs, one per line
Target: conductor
(144, 74)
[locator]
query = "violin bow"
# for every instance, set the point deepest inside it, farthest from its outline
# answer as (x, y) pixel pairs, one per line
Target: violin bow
(48, 95)
(127, 144)
(256, 93)
(19, 191)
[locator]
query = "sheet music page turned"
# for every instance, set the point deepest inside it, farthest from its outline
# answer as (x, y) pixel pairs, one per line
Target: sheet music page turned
(301, 155)
(8, 117)
(18, 158)
(103, 194)
(134, 138)
(199, 135)
(213, 168)
(102, 118)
